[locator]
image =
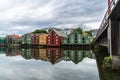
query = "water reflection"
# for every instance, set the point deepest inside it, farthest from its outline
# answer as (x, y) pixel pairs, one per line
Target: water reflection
(26, 53)
(47, 64)
(2, 50)
(12, 52)
(76, 55)
(101, 53)
(55, 55)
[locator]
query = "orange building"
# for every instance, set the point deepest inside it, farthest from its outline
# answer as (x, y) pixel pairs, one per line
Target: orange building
(42, 39)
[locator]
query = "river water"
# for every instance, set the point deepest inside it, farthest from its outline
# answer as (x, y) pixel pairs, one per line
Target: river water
(50, 64)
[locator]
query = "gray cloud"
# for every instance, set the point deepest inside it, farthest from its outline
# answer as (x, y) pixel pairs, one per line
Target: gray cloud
(46, 13)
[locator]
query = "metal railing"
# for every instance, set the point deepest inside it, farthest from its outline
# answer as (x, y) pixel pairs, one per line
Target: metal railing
(105, 19)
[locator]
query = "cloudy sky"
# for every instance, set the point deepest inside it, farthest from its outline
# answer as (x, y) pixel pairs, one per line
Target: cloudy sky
(22, 16)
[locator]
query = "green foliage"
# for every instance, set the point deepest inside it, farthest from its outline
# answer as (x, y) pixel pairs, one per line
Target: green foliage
(79, 30)
(89, 32)
(39, 31)
(49, 29)
(107, 59)
(107, 62)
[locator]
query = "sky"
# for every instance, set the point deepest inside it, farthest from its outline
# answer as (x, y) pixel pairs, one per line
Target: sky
(24, 16)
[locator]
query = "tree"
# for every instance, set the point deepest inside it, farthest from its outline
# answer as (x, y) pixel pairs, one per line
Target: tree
(49, 29)
(79, 29)
(89, 32)
(39, 31)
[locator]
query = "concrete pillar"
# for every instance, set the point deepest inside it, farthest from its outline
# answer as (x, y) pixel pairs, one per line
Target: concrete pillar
(109, 39)
(114, 37)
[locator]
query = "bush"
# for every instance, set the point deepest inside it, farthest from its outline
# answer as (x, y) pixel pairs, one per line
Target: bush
(107, 62)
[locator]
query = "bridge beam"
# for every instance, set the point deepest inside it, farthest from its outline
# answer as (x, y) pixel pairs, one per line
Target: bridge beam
(114, 37)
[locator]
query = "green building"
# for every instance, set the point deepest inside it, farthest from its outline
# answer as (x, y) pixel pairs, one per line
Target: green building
(74, 38)
(26, 39)
(86, 39)
(2, 40)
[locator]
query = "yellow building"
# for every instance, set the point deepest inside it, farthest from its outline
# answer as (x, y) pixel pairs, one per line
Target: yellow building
(42, 39)
(43, 54)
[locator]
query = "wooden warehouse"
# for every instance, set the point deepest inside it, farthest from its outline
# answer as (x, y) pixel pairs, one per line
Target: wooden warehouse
(73, 39)
(42, 39)
(27, 39)
(35, 39)
(55, 38)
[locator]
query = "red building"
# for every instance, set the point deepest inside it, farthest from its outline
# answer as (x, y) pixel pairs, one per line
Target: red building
(54, 55)
(35, 39)
(55, 38)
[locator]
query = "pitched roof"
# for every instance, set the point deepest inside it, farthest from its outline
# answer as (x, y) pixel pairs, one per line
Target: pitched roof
(60, 33)
(16, 36)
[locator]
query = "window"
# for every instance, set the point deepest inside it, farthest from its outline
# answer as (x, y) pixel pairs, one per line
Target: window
(75, 41)
(56, 42)
(52, 42)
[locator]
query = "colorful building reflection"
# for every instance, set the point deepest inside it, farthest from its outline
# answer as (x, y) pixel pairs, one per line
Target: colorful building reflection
(39, 54)
(12, 52)
(76, 56)
(43, 54)
(54, 55)
(2, 50)
(26, 53)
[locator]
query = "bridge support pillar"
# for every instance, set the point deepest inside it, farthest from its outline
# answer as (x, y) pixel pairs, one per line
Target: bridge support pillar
(114, 37)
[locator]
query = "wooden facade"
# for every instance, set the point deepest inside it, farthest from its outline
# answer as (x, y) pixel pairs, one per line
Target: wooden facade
(42, 39)
(86, 38)
(27, 39)
(13, 39)
(2, 41)
(35, 39)
(55, 38)
(74, 38)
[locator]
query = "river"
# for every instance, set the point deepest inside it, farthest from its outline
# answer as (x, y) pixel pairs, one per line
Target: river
(52, 64)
